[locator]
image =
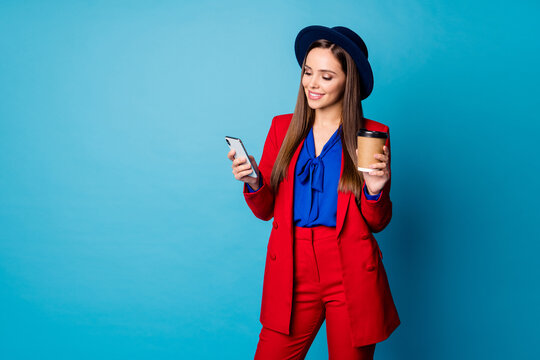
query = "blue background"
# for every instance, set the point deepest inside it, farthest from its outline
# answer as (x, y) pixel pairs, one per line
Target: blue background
(123, 233)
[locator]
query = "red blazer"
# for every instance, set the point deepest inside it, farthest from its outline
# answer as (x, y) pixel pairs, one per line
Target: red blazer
(372, 313)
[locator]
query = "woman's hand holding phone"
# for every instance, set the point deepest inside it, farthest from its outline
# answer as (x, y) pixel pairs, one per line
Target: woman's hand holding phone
(241, 168)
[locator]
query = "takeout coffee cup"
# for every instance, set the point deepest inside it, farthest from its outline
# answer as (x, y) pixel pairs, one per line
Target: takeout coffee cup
(369, 143)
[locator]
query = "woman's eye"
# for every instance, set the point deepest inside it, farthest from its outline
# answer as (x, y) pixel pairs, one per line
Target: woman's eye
(325, 78)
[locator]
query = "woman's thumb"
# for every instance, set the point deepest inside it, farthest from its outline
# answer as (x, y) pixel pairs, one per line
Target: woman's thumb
(253, 160)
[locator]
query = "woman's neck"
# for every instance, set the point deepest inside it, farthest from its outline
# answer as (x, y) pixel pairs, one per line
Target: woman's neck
(329, 116)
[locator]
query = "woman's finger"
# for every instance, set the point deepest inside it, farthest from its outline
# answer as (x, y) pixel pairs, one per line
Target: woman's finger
(255, 166)
(376, 172)
(239, 161)
(243, 167)
(242, 174)
(380, 165)
(381, 157)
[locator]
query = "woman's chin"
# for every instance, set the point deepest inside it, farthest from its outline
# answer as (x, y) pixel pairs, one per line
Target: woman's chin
(315, 104)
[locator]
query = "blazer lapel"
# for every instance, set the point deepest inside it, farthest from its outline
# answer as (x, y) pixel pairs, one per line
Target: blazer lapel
(288, 184)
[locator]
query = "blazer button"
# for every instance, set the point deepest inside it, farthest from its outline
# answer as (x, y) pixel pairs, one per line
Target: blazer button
(274, 224)
(272, 256)
(370, 267)
(365, 237)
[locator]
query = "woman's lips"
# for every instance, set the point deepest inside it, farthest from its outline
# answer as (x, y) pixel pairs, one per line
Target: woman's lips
(314, 96)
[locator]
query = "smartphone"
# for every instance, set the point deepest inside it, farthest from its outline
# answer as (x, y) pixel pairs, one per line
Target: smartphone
(240, 151)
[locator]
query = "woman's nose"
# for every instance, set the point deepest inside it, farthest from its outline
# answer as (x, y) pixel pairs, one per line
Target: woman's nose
(313, 82)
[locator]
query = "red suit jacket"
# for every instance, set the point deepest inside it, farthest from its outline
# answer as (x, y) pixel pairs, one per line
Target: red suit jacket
(372, 313)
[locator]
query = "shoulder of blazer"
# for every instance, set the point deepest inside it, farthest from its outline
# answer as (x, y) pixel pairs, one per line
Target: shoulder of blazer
(282, 122)
(375, 125)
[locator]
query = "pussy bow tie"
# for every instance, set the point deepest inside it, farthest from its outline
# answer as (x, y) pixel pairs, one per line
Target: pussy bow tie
(314, 168)
(314, 171)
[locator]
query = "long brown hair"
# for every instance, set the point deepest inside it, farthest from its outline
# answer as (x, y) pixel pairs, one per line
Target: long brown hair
(304, 116)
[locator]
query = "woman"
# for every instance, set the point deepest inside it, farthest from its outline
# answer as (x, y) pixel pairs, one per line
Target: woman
(322, 259)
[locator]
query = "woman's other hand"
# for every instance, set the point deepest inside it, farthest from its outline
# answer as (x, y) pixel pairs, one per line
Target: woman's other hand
(241, 169)
(377, 178)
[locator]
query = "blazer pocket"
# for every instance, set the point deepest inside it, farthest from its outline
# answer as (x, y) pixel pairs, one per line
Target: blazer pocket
(375, 258)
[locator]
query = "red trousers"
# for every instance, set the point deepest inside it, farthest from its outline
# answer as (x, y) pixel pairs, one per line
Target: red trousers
(318, 295)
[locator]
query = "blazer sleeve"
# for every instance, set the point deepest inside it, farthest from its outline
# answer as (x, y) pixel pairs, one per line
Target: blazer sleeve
(378, 213)
(261, 202)
(250, 189)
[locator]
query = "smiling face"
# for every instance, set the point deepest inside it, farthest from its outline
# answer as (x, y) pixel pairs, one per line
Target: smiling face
(323, 79)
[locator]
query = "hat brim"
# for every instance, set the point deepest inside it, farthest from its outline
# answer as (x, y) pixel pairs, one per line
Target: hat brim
(312, 33)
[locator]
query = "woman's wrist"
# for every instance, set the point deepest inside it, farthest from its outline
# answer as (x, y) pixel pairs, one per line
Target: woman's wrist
(256, 183)
(372, 192)
(254, 187)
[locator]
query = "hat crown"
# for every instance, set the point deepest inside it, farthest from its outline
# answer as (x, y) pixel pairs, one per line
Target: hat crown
(353, 37)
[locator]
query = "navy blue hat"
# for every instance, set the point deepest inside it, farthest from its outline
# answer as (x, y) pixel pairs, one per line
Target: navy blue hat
(348, 40)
